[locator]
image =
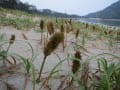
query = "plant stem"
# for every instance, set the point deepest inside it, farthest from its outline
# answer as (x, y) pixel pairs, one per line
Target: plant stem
(41, 35)
(5, 57)
(8, 48)
(43, 62)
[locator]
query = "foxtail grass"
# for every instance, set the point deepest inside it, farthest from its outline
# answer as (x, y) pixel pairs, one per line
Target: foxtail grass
(86, 25)
(50, 27)
(76, 62)
(41, 27)
(11, 41)
(5, 53)
(62, 29)
(50, 47)
(77, 34)
(93, 28)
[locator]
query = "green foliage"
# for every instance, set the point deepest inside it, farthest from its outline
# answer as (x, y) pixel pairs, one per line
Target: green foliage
(109, 75)
(19, 23)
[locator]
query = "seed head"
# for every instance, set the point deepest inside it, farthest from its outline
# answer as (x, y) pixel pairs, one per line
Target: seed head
(105, 32)
(76, 63)
(77, 33)
(12, 39)
(50, 28)
(41, 24)
(62, 28)
(87, 25)
(53, 43)
(93, 27)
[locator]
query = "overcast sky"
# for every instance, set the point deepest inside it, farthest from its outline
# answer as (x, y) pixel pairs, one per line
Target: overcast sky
(80, 7)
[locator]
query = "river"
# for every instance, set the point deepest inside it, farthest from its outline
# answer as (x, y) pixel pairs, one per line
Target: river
(109, 22)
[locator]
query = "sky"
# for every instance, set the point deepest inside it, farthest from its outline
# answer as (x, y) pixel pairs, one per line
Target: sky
(79, 7)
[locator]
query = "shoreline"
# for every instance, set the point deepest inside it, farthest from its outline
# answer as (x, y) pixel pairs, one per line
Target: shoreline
(99, 21)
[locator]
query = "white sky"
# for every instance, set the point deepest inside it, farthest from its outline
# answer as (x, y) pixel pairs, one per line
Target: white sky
(80, 7)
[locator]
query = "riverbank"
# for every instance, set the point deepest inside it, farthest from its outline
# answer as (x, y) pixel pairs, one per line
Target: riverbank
(105, 22)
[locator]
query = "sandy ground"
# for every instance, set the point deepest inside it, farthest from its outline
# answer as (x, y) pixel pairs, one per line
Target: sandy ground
(17, 79)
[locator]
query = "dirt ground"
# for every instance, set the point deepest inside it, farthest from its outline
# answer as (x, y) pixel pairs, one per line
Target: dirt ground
(18, 80)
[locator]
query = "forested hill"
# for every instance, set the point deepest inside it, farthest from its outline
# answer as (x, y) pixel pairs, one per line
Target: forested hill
(17, 4)
(111, 12)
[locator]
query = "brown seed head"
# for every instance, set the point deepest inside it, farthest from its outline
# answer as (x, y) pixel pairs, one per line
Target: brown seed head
(110, 32)
(53, 43)
(105, 32)
(50, 28)
(77, 33)
(12, 39)
(41, 24)
(62, 28)
(93, 27)
(87, 25)
(76, 63)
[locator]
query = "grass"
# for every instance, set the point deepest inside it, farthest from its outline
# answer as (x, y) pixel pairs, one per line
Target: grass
(107, 72)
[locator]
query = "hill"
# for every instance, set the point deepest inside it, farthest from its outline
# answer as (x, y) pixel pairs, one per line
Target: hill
(111, 12)
(17, 4)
